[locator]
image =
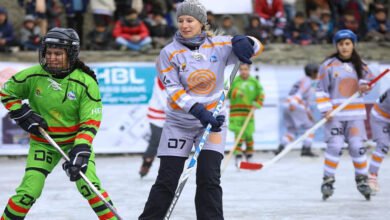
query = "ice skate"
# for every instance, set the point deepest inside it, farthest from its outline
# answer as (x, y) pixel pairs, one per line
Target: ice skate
(362, 186)
(249, 157)
(373, 183)
(145, 167)
(280, 149)
(238, 160)
(306, 152)
(327, 187)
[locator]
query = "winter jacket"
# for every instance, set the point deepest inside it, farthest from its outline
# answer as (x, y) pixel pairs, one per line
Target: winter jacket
(122, 29)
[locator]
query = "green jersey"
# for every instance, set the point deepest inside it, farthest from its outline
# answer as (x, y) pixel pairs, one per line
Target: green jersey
(243, 95)
(71, 106)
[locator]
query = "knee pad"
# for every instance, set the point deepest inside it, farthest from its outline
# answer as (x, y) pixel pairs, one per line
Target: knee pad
(31, 187)
(356, 148)
(334, 147)
(382, 148)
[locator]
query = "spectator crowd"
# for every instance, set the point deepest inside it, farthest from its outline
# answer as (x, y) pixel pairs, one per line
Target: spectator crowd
(140, 25)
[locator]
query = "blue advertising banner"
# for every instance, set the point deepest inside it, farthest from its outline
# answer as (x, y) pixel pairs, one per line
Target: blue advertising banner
(125, 83)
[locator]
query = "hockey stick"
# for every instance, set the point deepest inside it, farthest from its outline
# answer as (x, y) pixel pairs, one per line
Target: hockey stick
(246, 122)
(258, 166)
(186, 173)
(85, 178)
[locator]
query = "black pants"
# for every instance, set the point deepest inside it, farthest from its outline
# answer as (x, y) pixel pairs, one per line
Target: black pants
(208, 198)
(154, 140)
(77, 22)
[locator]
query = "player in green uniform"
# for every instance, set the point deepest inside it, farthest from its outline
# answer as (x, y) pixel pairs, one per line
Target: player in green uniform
(64, 99)
(246, 92)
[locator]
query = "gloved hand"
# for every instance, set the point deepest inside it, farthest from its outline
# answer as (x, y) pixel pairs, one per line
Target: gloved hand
(79, 157)
(291, 108)
(206, 117)
(28, 120)
(221, 120)
(257, 105)
(239, 93)
(327, 115)
(243, 48)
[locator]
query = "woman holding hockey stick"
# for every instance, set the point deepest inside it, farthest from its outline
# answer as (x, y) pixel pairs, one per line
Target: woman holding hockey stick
(245, 94)
(340, 76)
(380, 126)
(64, 99)
(191, 68)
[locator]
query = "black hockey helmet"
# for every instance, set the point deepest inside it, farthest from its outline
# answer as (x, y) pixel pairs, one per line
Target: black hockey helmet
(66, 38)
(311, 69)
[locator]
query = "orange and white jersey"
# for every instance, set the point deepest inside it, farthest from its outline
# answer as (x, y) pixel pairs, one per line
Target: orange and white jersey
(196, 76)
(301, 94)
(381, 109)
(337, 81)
(157, 104)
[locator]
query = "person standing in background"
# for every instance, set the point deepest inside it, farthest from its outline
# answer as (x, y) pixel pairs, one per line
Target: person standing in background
(103, 12)
(156, 117)
(245, 93)
(75, 11)
(296, 110)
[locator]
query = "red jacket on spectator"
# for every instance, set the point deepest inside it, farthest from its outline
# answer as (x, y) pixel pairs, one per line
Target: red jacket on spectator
(269, 11)
(125, 31)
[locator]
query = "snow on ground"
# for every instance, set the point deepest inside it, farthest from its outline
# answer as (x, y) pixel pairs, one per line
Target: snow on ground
(288, 190)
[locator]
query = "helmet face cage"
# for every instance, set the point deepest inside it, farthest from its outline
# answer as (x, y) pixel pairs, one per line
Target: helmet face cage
(60, 38)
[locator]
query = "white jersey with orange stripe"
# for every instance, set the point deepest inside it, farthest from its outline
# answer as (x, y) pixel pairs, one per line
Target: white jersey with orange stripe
(196, 76)
(381, 109)
(301, 94)
(337, 82)
(157, 104)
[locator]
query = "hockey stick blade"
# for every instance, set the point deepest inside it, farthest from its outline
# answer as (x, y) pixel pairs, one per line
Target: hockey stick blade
(250, 166)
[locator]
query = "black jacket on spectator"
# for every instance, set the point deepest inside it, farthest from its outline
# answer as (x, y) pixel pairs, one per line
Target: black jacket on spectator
(303, 30)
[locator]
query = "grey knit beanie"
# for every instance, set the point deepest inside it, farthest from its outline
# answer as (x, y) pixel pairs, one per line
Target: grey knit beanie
(192, 8)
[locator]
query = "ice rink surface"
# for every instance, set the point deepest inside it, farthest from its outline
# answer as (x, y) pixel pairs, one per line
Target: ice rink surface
(288, 190)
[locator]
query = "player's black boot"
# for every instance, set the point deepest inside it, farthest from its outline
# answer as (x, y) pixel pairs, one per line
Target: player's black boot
(280, 149)
(362, 186)
(145, 167)
(306, 152)
(327, 187)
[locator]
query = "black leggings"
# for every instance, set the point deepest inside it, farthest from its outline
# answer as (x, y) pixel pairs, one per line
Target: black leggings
(208, 198)
(154, 140)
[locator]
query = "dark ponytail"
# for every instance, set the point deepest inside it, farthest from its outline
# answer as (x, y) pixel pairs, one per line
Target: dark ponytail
(86, 69)
(356, 61)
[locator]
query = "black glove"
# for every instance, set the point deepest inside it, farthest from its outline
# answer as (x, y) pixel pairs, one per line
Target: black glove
(79, 157)
(243, 48)
(206, 117)
(28, 120)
